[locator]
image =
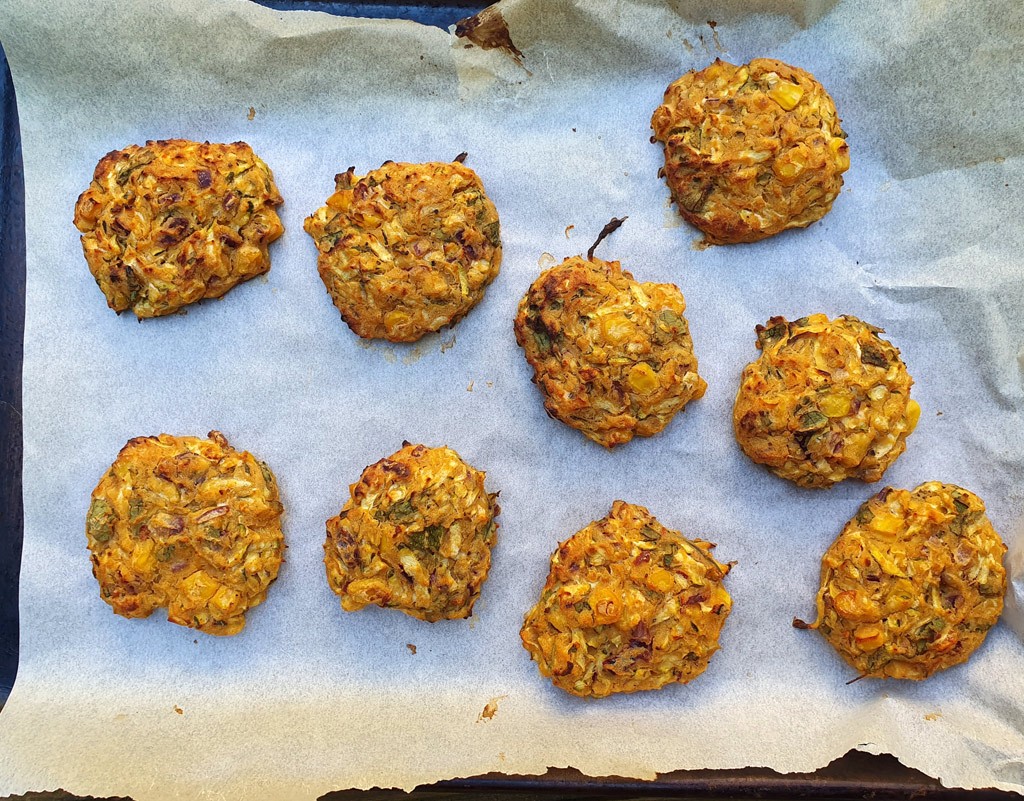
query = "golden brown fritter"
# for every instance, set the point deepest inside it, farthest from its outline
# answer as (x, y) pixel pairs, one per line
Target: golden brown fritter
(175, 221)
(415, 535)
(913, 583)
(407, 249)
(750, 151)
(188, 524)
(628, 605)
(612, 357)
(827, 400)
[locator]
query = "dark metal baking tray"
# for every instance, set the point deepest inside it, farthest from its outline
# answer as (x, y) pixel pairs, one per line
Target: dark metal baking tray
(854, 776)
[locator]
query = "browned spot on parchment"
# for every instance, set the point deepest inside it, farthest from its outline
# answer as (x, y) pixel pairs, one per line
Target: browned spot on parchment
(490, 708)
(488, 29)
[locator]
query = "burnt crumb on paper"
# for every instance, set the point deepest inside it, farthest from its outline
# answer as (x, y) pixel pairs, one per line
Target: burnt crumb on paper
(488, 30)
(411, 647)
(714, 34)
(490, 708)
(179, 710)
(252, 113)
(568, 229)
(470, 387)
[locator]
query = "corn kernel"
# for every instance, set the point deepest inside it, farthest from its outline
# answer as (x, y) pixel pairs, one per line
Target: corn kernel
(913, 415)
(787, 94)
(886, 523)
(835, 405)
(740, 78)
(660, 580)
(870, 637)
(606, 604)
(225, 600)
(616, 328)
(395, 319)
(842, 153)
(788, 169)
(853, 606)
(200, 586)
(143, 559)
(642, 378)
(340, 201)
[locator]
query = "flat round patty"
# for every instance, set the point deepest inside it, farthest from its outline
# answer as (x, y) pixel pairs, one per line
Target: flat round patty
(188, 524)
(913, 583)
(415, 534)
(612, 357)
(406, 249)
(827, 400)
(173, 222)
(628, 605)
(750, 151)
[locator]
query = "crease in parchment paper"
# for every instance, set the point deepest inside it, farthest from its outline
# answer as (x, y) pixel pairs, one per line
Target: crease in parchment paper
(308, 698)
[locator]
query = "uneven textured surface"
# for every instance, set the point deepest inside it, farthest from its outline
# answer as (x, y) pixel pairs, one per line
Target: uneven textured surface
(408, 248)
(612, 356)
(188, 524)
(913, 583)
(415, 535)
(628, 605)
(752, 150)
(172, 222)
(826, 400)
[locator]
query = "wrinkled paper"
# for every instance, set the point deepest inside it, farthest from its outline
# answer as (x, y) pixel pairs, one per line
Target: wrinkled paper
(924, 241)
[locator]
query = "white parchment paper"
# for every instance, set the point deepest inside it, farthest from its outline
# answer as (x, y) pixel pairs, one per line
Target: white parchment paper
(925, 241)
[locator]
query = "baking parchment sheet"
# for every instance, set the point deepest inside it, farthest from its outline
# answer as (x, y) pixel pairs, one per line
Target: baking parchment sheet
(925, 241)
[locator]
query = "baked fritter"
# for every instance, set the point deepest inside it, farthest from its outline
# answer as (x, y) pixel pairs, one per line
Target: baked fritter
(750, 151)
(175, 221)
(628, 605)
(613, 357)
(188, 524)
(406, 249)
(826, 400)
(415, 535)
(913, 583)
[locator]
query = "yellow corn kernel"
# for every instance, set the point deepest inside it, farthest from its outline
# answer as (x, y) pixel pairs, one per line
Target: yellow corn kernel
(835, 405)
(200, 586)
(616, 328)
(395, 319)
(869, 637)
(225, 601)
(642, 378)
(787, 94)
(660, 580)
(143, 559)
(913, 415)
(340, 201)
(740, 78)
(606, 605)
(841, 151)
(855, 606)
(887, 524)
(788, 169)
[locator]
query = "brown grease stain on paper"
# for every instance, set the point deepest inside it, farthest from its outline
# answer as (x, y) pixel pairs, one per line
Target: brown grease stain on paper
(488, 30)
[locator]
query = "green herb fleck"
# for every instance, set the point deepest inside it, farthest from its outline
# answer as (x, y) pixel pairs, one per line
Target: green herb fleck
(872, 355)
(98, 523)
(542, 339)
(650, 534)
(493, 233)
(813, 421)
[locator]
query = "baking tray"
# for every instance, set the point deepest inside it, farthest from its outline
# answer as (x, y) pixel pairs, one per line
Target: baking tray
(854, 776)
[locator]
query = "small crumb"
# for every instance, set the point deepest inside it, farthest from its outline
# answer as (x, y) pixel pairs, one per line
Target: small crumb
(501, 756)
(490, 384)
(700, 244)
(490, 708)
(933, 716)
(574, 130)
(546, 260)
(938, 414)
(195, 642)
(568, 228)
(470, 387)
(668, 33)
(448, 345)
(712, 23)
(411, 647)
(179, 710)
(252, 113)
